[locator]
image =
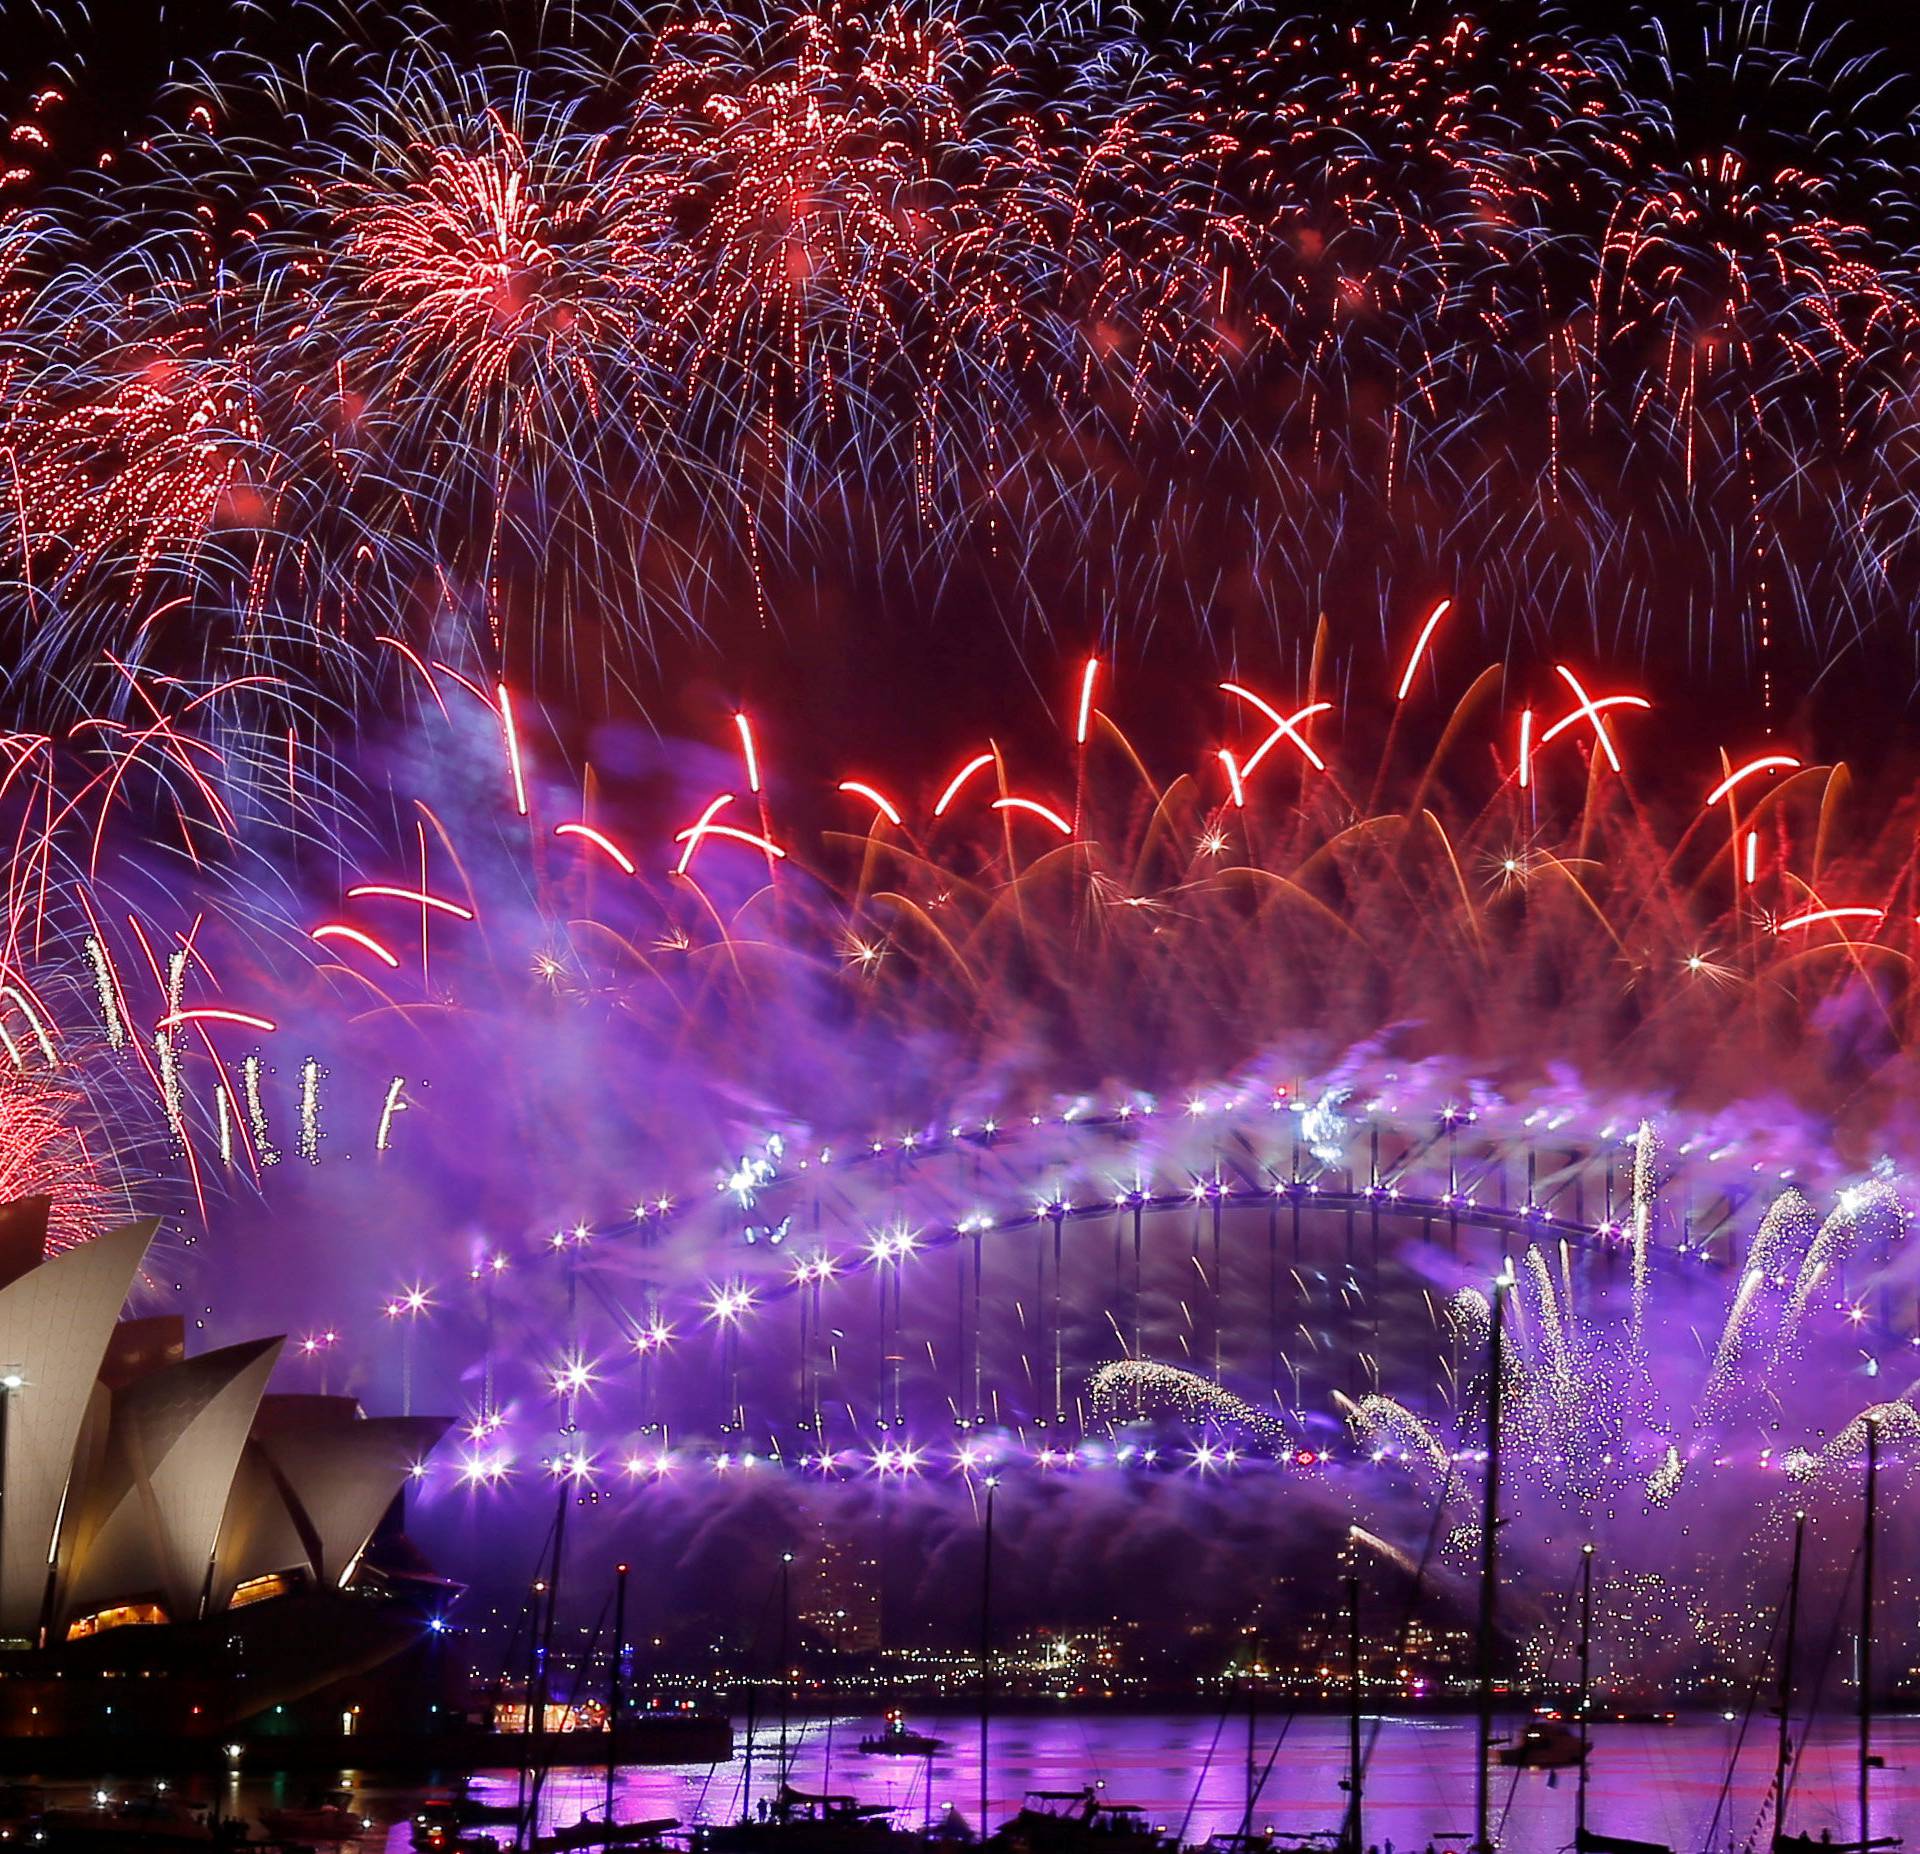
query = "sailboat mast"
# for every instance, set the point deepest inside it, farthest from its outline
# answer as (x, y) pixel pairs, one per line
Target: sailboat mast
(1489, 1570)
(1866, 1620)
(746, 1768)
(786, 1685)
(614, 1695)
(537, 1724)
(986, 1653)
(536, 1599)
(1351, 1840)
(1784, 1753)
(1246, 1815)
(1586, 1693)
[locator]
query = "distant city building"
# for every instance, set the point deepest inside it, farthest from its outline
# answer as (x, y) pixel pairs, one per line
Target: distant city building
(840, 1595)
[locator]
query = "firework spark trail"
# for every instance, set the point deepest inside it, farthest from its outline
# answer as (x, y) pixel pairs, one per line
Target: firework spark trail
(1116, 1389)
(1546, 1306)
(1836, 1238)
(389, 344)
(1836, 1465)
(1646, 1157)
(1402, 1561)
(1786, 1231)
(1396, 1426)
(1728, 1353)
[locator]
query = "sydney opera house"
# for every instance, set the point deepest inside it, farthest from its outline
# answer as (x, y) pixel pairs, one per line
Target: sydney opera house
(179, 1549)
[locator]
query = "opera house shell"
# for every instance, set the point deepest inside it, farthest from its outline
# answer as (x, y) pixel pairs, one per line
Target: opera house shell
(179, 1549)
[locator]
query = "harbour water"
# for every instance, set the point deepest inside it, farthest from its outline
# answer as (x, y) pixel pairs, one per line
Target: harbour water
(1681, 1783)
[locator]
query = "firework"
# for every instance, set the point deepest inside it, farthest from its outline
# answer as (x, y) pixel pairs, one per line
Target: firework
(428, 346)
(1254, 1240)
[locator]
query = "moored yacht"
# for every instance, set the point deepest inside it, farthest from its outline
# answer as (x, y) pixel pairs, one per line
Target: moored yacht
(1064, 1821)
(809, 1822)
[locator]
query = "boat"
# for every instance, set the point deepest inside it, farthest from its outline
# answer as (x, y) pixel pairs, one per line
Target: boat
(445, 1822)
(1352, 1830)
(808, 1822)
(1064, 1821)
(986, 1653)
(899, 1739)
(1486, 1634)
(1547, 1742)
(800, 1819)
(1591, 1841)
(1246, 1839)
(1867, 1759)
(1544, 1744)
(951, 1831)
(327, 1817)
(156, 1821)
(598, 1832)
(602, 1831)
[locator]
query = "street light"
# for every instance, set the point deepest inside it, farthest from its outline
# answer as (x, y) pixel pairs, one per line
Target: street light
(11, 1380)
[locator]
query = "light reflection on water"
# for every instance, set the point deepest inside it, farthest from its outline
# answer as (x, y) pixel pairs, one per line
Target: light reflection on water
(1189, 1771)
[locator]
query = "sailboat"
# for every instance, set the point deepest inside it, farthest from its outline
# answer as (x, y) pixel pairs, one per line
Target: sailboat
(1867, 1762)
(795, 1821)
(986, 1653)
(1351, 1833)
(1489, 1574)
(603, 1831)
(1542, 1744)
(1588, 1840)
(588, 1833)
(1245, 1839)
(540, 1673)
(809, 1822)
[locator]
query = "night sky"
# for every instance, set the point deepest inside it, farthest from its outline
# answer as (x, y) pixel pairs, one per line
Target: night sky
(867, 634)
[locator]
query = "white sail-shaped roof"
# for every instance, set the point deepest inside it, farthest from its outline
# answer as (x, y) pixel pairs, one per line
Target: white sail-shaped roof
(346, 1478)
(259, 1536)
(131, 1475)
(312, 1488)
(152, 1515)
(55, 1321)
